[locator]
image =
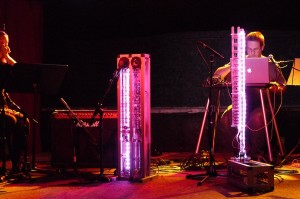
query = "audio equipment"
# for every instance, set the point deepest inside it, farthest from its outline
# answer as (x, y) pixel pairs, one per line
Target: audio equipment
(134, 123)
(66, 134)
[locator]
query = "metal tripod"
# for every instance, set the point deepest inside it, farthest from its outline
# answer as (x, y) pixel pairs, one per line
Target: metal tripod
(211, 118)
(211, 115)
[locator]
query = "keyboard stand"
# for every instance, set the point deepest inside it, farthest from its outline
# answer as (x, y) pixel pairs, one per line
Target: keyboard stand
(265, 122)
(204, 121)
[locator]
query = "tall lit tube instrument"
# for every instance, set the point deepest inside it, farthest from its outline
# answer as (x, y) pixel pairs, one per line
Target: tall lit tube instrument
(237, 64)
(134, 110)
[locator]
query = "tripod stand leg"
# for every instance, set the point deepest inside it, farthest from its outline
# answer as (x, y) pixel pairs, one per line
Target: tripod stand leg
(275, 124)
(213, 118)
(203, 180)
(217, 111)
(266, 125)
(202, 127)
(204, 121)
(290, 153)
(26, 129)
(36, 100)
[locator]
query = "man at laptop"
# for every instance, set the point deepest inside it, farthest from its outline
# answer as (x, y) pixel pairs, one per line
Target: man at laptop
(255, 133)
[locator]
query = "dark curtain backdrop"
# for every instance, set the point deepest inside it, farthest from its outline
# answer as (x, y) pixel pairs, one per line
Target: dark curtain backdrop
(88, 36)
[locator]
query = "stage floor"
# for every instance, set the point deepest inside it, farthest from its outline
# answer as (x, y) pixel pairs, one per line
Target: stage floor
(168, 179)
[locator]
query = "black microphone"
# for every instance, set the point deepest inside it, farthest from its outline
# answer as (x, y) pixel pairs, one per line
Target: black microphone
(11, 102)
(96, 111)
(271, 57)
(15, 106)
(65, 103)
(123, 63)
(210, 49)
(287, 61)
(71, 113)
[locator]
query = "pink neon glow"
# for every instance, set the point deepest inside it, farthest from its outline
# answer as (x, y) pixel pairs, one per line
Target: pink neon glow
(241, 92)
(125, 120)
(238, 87)
(134, 116)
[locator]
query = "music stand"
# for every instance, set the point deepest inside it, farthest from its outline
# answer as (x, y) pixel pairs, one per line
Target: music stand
(45, 79)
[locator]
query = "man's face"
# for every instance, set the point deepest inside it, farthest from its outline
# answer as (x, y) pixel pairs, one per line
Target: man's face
(253, 49)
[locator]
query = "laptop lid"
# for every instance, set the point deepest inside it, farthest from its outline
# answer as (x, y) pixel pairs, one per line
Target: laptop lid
(257, 70)
(294, 78)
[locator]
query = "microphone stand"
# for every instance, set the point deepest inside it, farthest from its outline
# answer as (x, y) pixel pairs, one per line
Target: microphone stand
(211, 171)
(99, 110)
(75, 119)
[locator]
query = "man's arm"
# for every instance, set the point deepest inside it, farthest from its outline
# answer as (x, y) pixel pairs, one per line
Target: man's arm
(223, 73)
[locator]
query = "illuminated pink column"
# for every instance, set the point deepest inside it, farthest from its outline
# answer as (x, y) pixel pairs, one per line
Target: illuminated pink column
(237, 64)
(134, 122)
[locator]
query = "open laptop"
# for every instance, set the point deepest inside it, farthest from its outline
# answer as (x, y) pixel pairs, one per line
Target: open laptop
(257, 71)
(294, 78)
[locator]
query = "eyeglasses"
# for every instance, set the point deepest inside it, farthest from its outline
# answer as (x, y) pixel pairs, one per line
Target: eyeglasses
(254, 50)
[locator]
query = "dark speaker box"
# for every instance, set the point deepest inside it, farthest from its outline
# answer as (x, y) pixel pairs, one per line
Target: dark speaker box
(69, 140)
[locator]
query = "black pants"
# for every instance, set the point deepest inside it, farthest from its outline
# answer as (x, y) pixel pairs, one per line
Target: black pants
(255, 135)
(13, 131)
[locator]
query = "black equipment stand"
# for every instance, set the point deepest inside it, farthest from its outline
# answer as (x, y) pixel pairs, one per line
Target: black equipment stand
(211, 171)
(99, 110)
(43, 79)
(79, 123)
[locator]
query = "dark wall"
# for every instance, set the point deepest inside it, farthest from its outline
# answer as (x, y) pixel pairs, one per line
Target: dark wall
(89, 35)
(181, 131)
(177, 69)
(177, 72)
